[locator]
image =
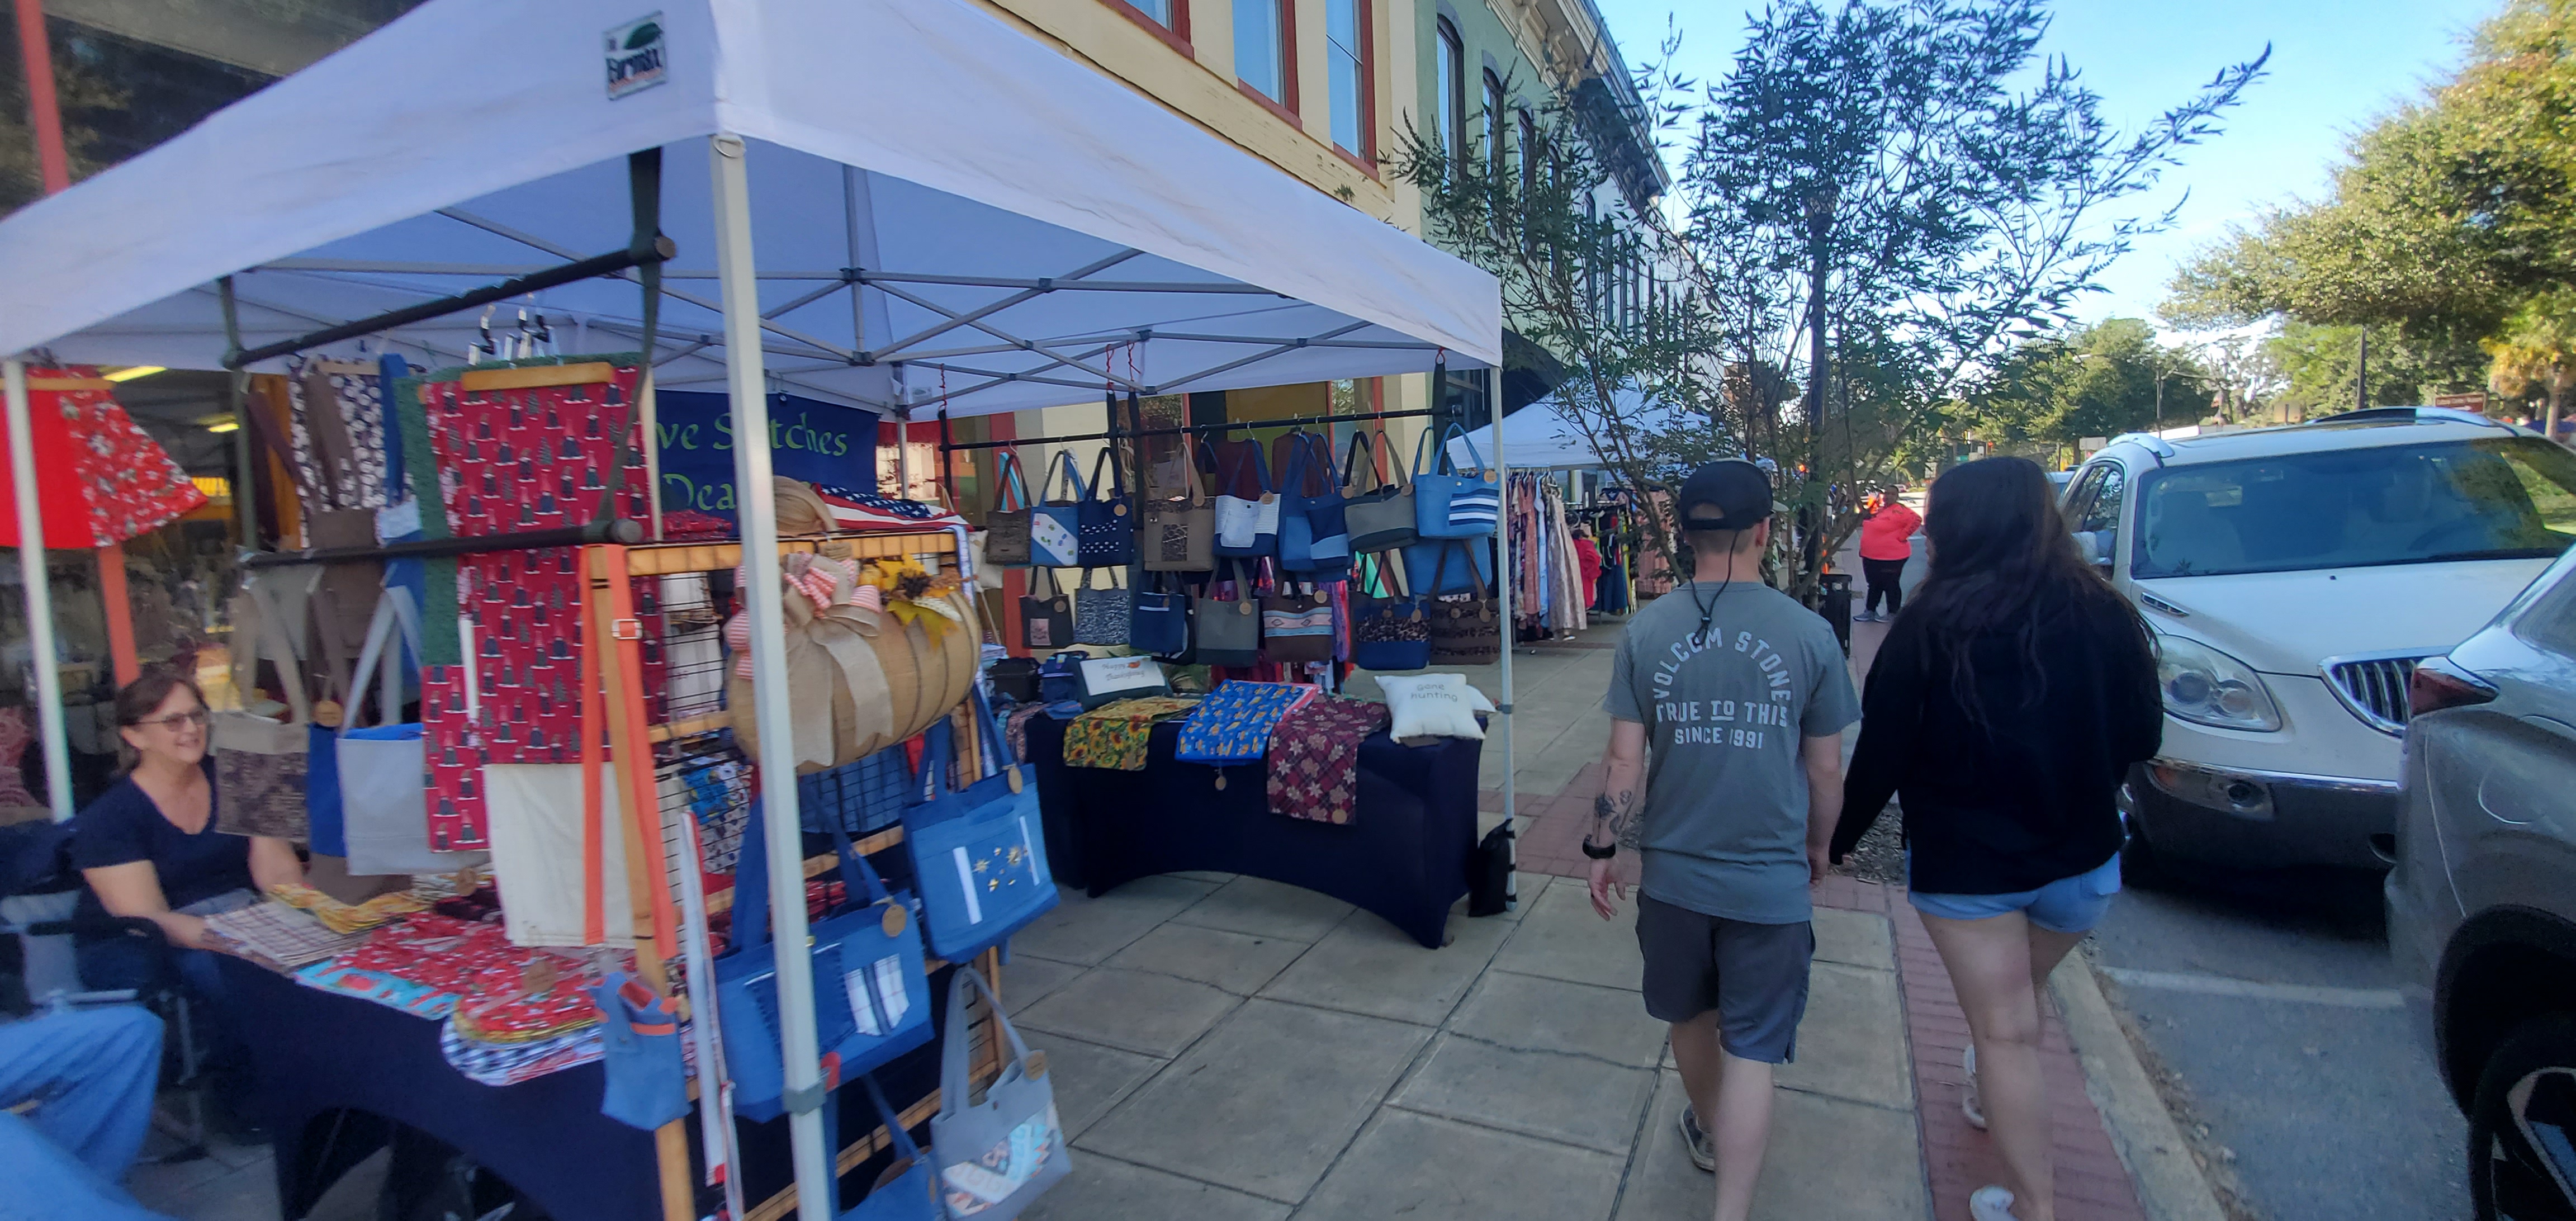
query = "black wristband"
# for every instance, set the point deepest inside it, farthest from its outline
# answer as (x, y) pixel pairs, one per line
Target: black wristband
(1600, 854)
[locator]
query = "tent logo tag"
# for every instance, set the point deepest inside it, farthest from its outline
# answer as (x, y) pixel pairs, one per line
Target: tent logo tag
(636, 59)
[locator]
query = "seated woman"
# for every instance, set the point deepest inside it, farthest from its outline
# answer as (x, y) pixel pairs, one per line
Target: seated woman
(149, 849)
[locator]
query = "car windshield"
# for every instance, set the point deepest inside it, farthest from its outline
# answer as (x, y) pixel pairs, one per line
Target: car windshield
(2494, 498)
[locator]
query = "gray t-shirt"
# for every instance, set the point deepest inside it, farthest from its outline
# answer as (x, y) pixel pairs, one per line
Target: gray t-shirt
(1724, 828)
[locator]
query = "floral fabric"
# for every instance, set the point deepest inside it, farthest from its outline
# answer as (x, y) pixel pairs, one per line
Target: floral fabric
(1114, 735)
(1233, 724)
(1315, 757)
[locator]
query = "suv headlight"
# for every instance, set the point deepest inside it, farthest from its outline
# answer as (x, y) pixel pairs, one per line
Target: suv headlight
(2207, 687)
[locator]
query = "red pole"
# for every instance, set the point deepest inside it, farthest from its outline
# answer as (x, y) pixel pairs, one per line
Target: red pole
(44, 114)
(44, 111)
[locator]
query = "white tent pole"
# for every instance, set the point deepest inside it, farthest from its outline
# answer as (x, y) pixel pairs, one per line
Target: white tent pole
(40, 596)
(758, 511)
(1503, 580)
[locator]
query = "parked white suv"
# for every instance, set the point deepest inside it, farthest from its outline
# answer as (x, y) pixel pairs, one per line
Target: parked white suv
(2294, 576)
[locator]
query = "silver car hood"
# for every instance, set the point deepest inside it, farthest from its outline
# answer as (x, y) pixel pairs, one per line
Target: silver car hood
(2287, 622)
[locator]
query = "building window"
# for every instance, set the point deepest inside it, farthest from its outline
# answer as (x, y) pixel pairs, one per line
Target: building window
(1493, 124)
(1529, 177)
(1346, 40)
(1159, 10)
(1452, 85)
(1261, 54)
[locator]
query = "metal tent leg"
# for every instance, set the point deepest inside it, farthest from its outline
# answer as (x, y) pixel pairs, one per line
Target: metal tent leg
(1503, 581)
(40, 595)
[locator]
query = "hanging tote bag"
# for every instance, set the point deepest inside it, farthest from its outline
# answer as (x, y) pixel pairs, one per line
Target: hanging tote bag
(260, 772)
(1055, 527)
(871, 992)
(1007, 542)
(1046, 619)
(1245, 528)
(1180, 535)
(1466, 631)
(384, 790)
(647, 1083)
(1107, 515)
(1434, 568)
(907, 1190)
(976, 852)
(1313, 538)
(1159, 623)
(1296, 627)
(1099, 613)
(1382, 517)
(1390, 632)
(998, 1156)
(1228, 631)
(1453, 503)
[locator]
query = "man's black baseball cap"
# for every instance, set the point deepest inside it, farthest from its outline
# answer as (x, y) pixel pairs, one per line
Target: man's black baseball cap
(1730, 495)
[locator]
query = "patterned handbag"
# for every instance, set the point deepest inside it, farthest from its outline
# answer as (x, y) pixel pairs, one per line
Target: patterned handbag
(1180, 535)
(260, 764)
(1452, 503)
(1055, 539)
(1296, 627)
(1100, 614)
(1107, 515)
(1390, 633)
(1233, 724)
(1008, 543)
(1228, 632)
(1381, 517)
(1466, 631)
(1046, 620)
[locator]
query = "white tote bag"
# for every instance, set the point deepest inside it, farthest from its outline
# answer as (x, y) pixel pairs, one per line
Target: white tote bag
(384, 789)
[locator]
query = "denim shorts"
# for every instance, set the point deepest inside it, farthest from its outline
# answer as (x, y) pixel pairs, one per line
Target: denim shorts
(2068, 905)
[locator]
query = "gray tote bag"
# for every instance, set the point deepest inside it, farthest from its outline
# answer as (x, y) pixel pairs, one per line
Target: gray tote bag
(996, 1157)
(384, 790)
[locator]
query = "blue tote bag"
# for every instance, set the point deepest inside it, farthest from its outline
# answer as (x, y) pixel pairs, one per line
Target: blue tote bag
(1314, 537)
(871, 991)
(1440, 569)
(908, 1190)
(978, 853)
(1451, 503)
(1055, 527)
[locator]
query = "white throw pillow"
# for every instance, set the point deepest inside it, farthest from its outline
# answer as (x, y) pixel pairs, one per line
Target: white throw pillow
(1433, 705)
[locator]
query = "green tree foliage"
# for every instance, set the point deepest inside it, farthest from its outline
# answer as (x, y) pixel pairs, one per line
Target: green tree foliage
(2534, 355)
(2099, 381)
(2321, 365)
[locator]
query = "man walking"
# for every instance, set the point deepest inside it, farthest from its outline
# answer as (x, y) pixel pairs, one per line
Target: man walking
(1739, 695)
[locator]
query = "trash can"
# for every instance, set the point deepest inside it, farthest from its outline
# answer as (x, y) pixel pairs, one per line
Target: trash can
(1837, 608)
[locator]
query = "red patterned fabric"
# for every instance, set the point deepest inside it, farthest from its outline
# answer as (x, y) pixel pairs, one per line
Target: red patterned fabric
(1315, 757)
(452, 749)
(121, 483)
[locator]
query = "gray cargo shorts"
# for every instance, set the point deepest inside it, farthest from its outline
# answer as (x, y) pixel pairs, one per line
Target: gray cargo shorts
(1753, 975)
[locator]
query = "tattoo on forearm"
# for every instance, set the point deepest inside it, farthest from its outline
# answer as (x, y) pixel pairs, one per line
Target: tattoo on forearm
(1614, 819)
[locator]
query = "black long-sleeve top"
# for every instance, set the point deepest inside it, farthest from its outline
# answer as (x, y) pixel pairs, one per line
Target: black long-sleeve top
(2026, 797)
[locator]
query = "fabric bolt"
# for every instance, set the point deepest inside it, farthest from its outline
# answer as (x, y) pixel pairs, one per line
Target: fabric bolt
(1233, 724)
(452, 749)
(1315, 757)
(512, 1064)
(1114, 736)
(357, 404)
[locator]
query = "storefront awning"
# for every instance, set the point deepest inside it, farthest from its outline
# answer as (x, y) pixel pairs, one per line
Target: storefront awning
(1017, 230)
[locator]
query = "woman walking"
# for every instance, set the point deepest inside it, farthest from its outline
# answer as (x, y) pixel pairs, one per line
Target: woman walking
(1886, 542)
(2004, 712)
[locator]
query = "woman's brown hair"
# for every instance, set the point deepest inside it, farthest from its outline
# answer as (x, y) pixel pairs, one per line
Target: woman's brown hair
(138, 700)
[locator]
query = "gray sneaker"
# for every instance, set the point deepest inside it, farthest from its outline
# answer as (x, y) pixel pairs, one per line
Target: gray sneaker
(1702, 1155)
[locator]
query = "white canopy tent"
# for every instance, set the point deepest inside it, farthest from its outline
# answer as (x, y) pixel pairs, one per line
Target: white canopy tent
(912, 203)
(1540, 437)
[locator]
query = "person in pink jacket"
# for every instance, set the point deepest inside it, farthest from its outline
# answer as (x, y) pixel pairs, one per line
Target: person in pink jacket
(1886, 542)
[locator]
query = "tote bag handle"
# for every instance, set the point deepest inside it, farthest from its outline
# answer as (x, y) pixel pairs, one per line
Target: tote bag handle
(1190, 474)
(953, 1082)
(394, 611)
(1072, 475)
(1260, 465)
(1011, 484)
(1117, 484)
(1448, 466)
(272, 624)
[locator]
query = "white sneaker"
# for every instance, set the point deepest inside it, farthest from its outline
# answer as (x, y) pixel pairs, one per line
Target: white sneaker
(1702, 1154)
(1972, 1103)
(1991, 1203)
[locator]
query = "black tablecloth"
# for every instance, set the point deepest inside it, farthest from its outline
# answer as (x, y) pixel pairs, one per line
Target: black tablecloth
(1403, 855)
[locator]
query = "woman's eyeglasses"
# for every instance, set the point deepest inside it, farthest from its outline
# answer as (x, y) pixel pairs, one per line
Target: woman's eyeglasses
(177, 719)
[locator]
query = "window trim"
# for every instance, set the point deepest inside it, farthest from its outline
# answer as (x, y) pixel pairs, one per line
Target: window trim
(1284, 107)
(1496, 104)
(1450, 48)
(1364, 14)
(1175, 35)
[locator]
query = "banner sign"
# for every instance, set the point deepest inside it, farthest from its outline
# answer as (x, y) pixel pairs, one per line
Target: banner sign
(814, 441)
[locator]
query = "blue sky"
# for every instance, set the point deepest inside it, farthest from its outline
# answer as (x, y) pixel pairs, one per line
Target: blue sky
(2335, 65)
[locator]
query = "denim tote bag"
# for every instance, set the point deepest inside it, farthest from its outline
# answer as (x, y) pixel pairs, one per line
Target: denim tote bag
(1055, 527)
(908, 1190)
(1314, 537)
(1245, 529)
(998, 1156)
(977, 852)
(871, 991)
(1453, 503)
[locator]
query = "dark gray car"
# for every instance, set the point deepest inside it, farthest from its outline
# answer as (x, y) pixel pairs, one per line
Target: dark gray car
(2482, 903)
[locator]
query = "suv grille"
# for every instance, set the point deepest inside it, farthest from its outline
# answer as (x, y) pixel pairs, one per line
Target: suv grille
(2375, 690)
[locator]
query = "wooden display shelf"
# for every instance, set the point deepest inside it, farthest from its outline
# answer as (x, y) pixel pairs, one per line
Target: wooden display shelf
(666, 559)
(690, 727)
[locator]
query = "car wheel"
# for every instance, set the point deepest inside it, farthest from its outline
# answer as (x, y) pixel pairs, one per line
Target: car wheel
(2522, 1126)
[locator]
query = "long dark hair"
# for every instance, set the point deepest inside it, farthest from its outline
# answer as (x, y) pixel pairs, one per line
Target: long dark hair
(2002, 557)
